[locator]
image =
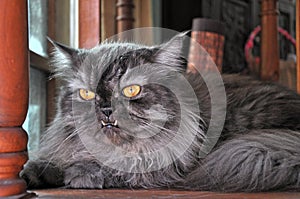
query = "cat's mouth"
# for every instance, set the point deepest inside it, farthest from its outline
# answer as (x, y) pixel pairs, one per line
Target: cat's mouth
(109, 124)
(114, 134)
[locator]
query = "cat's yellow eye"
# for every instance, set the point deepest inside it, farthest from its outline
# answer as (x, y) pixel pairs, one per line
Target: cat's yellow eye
(131, 91)
(86, 94)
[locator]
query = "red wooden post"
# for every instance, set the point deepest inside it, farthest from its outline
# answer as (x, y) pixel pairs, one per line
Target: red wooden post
(89, 23)
(13, 95)
(269, 43)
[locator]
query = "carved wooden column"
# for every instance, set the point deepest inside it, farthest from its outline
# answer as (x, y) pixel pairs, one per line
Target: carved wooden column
(13, 95)
(89, 23)
(125, 19)
(269, 41)
(298, 43)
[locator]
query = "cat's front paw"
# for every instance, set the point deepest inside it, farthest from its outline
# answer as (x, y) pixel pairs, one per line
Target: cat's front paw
(41, 174)
(84, 176)
(30, 175)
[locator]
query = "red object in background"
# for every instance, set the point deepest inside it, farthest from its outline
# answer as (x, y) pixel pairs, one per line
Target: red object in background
(255, 62)
(210, 35)
(89, 23)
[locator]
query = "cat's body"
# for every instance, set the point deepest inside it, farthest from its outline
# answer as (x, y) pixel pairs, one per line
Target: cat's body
(258, 150)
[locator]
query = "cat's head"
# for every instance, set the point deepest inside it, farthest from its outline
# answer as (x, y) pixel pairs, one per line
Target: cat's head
(128, 98)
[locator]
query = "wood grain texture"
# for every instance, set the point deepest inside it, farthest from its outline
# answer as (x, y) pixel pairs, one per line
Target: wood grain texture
(51, 23)
(143, 13)
(13, 62)
(166, 194)
(11, 164)
(108, 19)
(269, 41)
(11, 187)
(89, 23)
(12, 139)
(13, 95)
(125, 19)
(298, 43)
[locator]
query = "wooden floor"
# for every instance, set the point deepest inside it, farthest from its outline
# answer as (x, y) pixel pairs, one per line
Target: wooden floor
(160, 194)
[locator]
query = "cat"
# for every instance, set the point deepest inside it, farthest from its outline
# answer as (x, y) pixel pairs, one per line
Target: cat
(121, 104)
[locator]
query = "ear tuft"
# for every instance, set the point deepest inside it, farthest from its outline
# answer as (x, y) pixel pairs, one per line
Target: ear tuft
(172, 52)
(66, 50)
(65, 58)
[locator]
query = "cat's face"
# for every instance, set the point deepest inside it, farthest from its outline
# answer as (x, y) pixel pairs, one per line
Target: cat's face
(125, 95)
(130, 107)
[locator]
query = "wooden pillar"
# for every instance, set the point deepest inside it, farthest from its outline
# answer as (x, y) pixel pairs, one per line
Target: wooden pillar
(51, 84)
(125, 19)
(13, 95)
(89, 23)
(269, 41)
(108, 18)
(298, 43)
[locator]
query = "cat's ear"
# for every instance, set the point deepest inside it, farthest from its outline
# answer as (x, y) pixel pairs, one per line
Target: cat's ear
(65, 57)
(172, 53)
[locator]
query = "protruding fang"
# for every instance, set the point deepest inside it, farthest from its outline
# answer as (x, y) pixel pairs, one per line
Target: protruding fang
(116, 123)
(109, 124)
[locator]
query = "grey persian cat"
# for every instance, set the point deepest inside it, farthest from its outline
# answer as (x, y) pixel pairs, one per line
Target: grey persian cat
(121, 104)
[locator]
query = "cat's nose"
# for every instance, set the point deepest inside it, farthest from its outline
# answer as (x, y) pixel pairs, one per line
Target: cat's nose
(107, 119)
(107, 111)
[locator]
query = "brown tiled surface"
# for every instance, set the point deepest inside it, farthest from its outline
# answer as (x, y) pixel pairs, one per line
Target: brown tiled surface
(160, 194)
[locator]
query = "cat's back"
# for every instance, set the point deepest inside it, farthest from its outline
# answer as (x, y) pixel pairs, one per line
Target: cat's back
(253, 104)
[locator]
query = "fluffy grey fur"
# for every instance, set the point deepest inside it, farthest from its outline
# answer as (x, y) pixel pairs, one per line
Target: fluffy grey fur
(258, 149)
